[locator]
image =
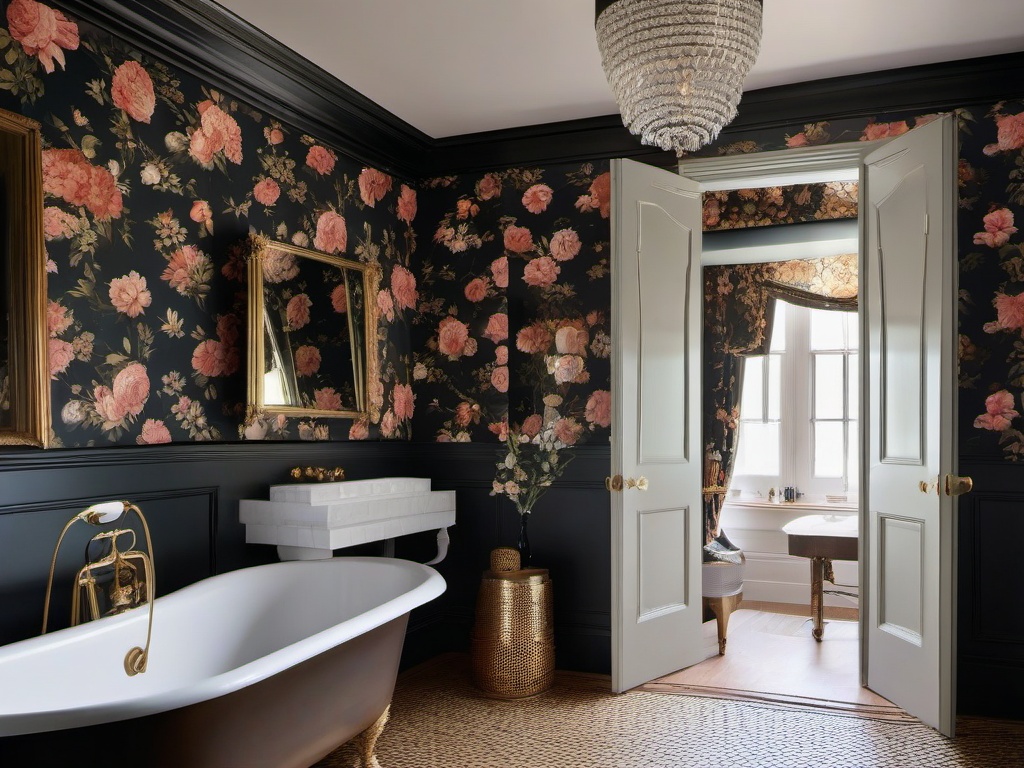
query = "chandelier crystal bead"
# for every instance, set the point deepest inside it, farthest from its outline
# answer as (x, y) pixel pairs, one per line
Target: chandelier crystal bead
(676, 67)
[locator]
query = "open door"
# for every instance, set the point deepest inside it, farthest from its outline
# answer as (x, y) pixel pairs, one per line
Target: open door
(656, 478)
(908, 260)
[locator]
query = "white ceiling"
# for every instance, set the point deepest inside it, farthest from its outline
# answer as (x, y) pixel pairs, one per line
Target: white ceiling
(450, 67)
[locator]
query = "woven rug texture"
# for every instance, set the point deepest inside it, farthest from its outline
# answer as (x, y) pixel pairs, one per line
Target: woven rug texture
(438, 720)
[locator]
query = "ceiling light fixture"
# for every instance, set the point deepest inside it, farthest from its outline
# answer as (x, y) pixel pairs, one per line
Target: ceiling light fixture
(677, 67)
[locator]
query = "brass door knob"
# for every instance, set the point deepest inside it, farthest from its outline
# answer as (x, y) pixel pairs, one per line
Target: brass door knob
(957, 486)
(613, 483)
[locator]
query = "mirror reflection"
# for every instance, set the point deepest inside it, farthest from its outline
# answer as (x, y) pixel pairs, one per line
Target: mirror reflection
(309, 339)
(24, 372)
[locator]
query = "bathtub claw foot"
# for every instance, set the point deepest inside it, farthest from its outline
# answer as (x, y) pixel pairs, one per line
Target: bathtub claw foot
(366, 742)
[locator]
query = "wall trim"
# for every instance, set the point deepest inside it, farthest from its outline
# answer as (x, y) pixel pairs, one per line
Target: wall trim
(208, 41)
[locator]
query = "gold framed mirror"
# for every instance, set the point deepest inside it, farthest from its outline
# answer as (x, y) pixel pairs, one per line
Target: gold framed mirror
(312, 332)
(24, 365)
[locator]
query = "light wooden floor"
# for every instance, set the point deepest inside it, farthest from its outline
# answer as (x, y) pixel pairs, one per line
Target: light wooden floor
(775, 655)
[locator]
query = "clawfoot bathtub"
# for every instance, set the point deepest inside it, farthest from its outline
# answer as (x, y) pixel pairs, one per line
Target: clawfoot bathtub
(268, 666)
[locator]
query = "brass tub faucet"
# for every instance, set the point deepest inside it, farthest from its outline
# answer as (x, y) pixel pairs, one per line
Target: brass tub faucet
(127, 589)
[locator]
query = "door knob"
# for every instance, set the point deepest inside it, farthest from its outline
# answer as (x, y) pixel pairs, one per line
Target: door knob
(613, 483)
(957, 486)
(640, 483)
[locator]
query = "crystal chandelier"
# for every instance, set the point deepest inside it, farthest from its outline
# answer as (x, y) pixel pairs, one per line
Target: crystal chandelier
(677, 67)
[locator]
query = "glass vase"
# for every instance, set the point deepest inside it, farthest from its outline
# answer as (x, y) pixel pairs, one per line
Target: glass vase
(524, 540)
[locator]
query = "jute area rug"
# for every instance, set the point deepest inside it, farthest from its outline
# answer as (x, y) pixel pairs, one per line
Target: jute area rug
(438, 720)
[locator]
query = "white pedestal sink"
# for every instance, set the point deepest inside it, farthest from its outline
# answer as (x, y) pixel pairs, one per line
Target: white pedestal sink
(307, 521)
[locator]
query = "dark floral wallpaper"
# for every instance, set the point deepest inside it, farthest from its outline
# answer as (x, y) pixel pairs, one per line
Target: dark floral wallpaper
(770, 206)
(512, 322)
(152, 180)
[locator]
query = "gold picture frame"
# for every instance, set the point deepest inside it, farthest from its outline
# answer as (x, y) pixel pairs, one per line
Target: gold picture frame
(23, 283)
(274, 385)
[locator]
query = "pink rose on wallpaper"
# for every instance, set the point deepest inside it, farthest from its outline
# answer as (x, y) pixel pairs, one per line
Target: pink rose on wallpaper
(339, 298)
(67, 174)
(273, 135)
(452, 338)
(61, 354)
(497, 327)
(129, 295)
(388, 423)
(565, 244)
(998, 228)
(297, 311)
(501, 355)
(58, 223)
(1009, 134)
(601, 194)
(533, 339)
(228, 330)
(403, 286)
(321, 159)
(797, 140)
(499, 270)
(131, 389)
(532, 425)
(465, 209)
(407, 204)
(360, 430)
(279, 267)
(307, 360)
(217, 132)
(875, 130)
(386, 305)
(476, 289)
(107, 408)
(373, 185)
(466, 414)
(327, 399)
(537, 198)
(42, 31)
(331, 234)
(488, 187)
(499, 378)
(518, 239)
(184, 268)
(154, 432)
(201, 212)
(540, 272)
(210, 358)
(131, 89)
(570, 340)
(58, 318)
(1009, 313)
(999, 412)
(568, 430)
(599, 408)
(404, 401)
(266, 191)
(567, 368)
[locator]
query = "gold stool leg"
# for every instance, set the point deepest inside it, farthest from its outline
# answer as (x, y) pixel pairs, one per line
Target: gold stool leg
(817, 597)
(723, 607)
(366, 742)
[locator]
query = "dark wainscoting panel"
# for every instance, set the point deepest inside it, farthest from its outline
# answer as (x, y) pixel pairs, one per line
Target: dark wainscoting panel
(990, 637)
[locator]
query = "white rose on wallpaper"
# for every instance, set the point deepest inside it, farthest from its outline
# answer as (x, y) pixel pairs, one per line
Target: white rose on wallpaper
(176, 141)
(150, 174)
(73, 412)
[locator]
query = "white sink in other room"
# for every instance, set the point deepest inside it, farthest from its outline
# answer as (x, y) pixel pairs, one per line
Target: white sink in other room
(307, 521)
(823, 525)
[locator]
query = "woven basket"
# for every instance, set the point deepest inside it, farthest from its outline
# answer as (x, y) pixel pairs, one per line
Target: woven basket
(512, 645)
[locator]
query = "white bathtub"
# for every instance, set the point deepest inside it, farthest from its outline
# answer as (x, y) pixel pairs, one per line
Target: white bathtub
(273, 665)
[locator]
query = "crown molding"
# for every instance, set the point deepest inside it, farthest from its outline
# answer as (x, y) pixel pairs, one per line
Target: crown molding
(206, 40)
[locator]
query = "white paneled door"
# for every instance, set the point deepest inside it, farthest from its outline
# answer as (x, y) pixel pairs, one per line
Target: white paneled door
(908, 289)
(657, 525)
